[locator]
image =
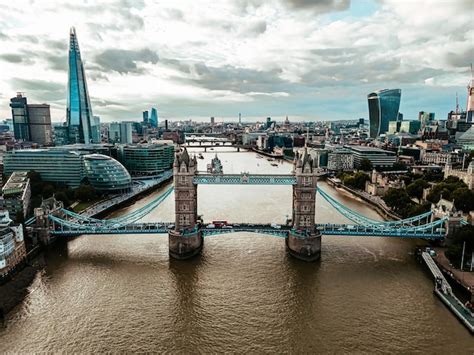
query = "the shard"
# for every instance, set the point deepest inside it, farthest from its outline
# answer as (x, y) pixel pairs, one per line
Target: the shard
(79, 110)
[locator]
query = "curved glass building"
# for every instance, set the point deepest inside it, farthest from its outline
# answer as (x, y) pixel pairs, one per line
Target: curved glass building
(79, 110)
(384, 107)
(106, 174)
(147, 160)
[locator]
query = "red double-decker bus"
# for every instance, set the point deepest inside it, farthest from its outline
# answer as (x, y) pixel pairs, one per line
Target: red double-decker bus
(219, 224)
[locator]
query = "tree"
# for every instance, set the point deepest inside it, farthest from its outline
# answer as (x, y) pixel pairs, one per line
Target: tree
(397, 199)
(415, 189)
(356, 181)
(366, 165)
(454, 252)
(85, 193)
(463, 199)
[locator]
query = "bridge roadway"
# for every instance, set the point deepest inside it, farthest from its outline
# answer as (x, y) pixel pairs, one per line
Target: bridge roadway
(280, 230)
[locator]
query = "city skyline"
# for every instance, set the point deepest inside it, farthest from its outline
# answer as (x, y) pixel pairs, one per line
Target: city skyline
(310, 60)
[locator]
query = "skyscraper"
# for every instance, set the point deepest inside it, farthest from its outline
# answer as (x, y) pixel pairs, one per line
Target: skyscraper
(154, 118)
(39, 117)
(470, 99)
(21, 127)
(384, 106)
(145, 117)
(79, 110)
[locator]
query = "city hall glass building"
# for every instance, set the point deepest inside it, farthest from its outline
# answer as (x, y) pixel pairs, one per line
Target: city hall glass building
(79, 110)
(384, 107)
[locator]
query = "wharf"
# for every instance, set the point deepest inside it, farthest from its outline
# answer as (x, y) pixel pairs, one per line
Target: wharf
(444, 292)
(267, 154)
(141, 187)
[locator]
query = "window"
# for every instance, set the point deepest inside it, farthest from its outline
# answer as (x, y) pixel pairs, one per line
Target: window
(307, 181)
(305, 208)
(184, 207)
(183, 180)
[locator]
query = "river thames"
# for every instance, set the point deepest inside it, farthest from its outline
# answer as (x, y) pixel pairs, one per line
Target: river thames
(244, 294)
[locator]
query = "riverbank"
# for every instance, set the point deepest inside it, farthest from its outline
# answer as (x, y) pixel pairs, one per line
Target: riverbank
(16, 289)
(376, 203)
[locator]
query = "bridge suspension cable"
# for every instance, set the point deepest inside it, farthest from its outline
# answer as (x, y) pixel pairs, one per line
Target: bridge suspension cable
(360, 219)
(126, 219)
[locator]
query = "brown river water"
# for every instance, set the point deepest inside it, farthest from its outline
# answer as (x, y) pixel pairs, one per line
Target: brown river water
(244, 294)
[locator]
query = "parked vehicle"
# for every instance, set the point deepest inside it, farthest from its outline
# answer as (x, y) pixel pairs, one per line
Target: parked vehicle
(211, 226)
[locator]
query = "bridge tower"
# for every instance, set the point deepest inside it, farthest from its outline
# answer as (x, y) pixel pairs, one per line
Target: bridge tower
(186, 239)
(304, 240)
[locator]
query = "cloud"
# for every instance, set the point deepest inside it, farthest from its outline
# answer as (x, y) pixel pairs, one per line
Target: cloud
(461, 59)
(15, 58)
(229, 78)
(319, 6)
(125, 61)
(255, 28)
(40, 90)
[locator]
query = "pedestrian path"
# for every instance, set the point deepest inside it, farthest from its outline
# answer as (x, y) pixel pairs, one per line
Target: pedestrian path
(444, 291)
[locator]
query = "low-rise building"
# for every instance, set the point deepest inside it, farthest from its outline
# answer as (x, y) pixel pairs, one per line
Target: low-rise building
(380, 182)
(12, 244)
(440, 158)
(16, 194)
(465, 175)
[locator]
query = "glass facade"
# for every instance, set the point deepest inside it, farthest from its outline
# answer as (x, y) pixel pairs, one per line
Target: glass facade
(154, 118)
(21, 127)
(56, 165)
(79, 110)
(106, 174)
(147, 159)
(384, 107)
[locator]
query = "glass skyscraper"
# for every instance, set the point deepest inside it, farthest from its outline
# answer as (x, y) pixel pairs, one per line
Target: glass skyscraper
(154, 118)
(384, 107)
(79, 110)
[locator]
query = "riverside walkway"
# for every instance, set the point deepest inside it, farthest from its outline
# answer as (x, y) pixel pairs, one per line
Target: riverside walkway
(444, 292)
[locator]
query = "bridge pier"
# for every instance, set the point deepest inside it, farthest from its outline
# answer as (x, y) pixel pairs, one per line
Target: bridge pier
(184, 246)
(304, 247)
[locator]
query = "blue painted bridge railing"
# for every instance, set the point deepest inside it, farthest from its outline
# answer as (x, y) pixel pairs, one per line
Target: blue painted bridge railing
(244, 179)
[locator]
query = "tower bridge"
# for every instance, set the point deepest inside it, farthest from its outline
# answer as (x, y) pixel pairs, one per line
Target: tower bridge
(187, 232)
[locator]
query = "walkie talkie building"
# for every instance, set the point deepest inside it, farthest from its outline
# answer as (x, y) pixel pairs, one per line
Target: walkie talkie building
(384, 107)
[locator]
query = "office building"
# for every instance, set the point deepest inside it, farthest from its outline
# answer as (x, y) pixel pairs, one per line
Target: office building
(466, 139)
(154, 118)
(384, 107)
(145, 117)
(213, 121)
(411, 127)
(16, 195)
(121, 132)
(426, 118)
(12, 245)
(21, 127)
(147, 160)
(61, 135)
(470, 99)
(340, 160)
(57, 165)
(379, 158)
(95, 129)
(126, 129)
(39, 117)
(79, 110)
(114, 132)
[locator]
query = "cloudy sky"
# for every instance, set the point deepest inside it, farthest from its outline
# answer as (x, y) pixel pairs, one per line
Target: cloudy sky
(308, 59)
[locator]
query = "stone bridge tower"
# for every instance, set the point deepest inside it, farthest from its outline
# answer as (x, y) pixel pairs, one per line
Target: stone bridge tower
(185, 240)
(304, 240)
